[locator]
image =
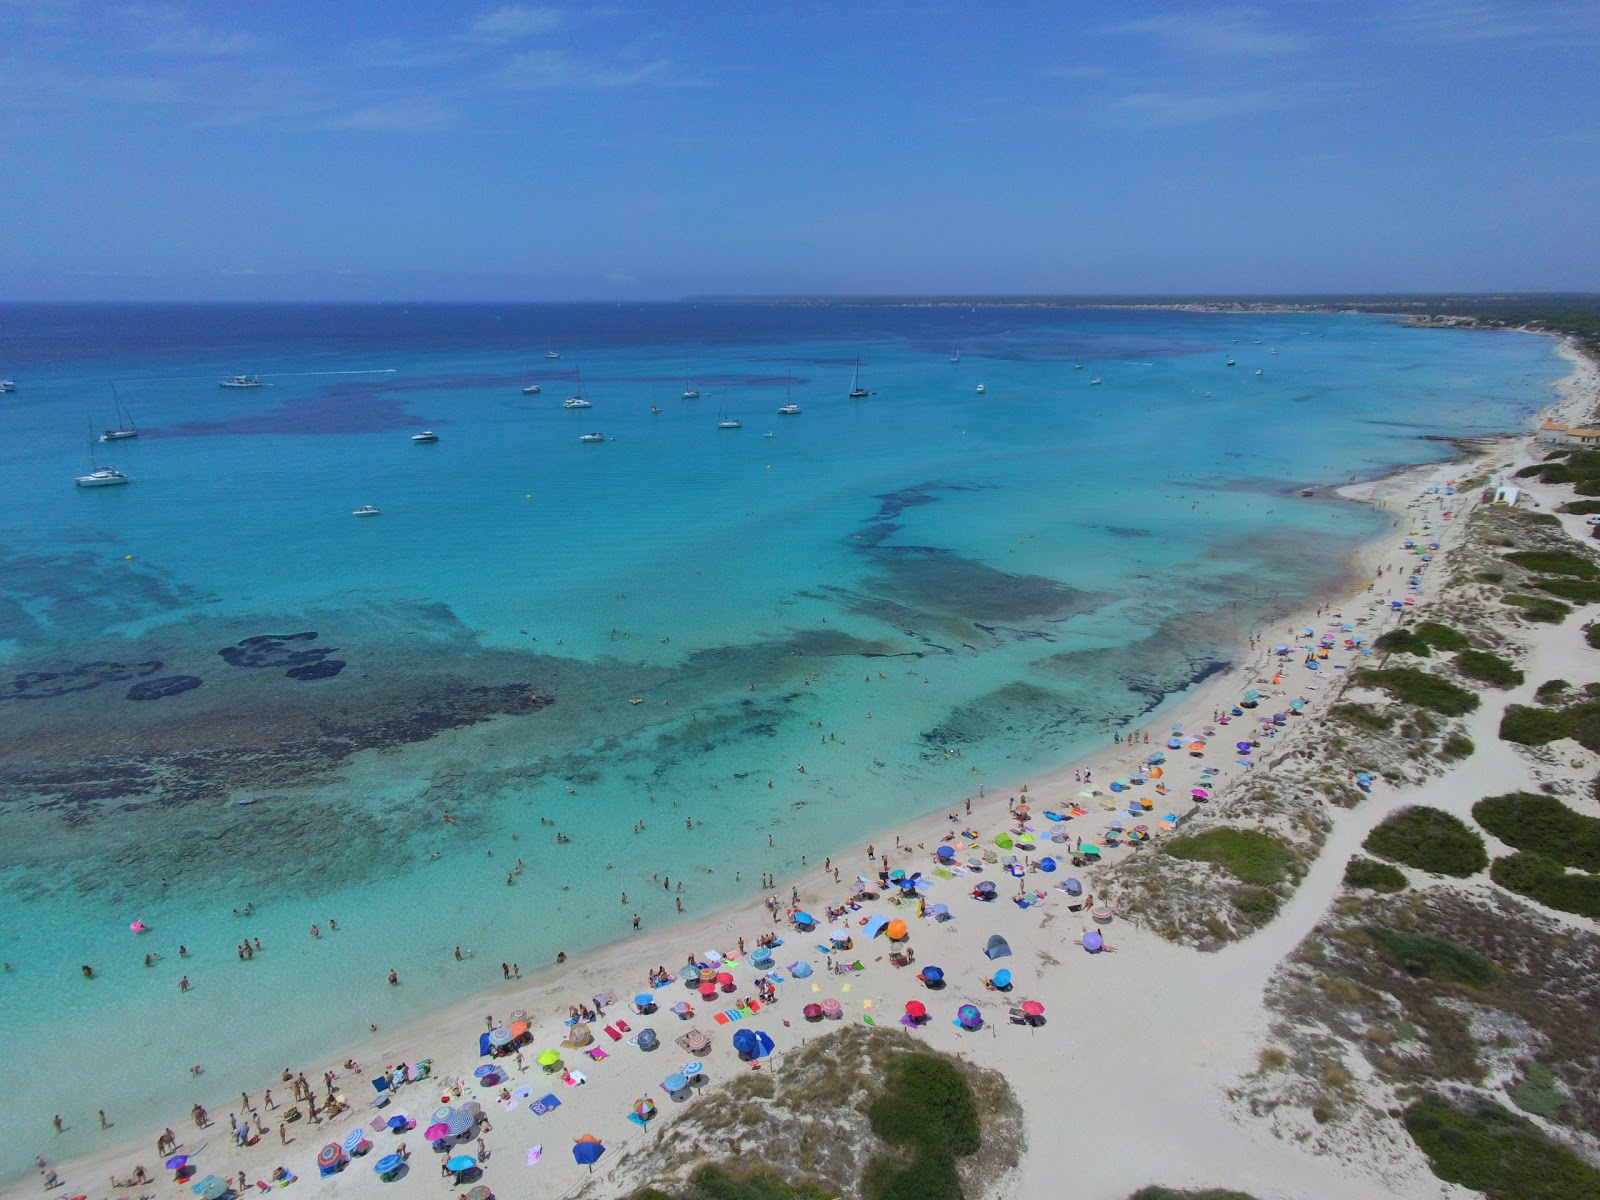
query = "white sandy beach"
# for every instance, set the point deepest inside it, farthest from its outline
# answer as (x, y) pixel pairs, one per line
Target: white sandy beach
(1124, 1084)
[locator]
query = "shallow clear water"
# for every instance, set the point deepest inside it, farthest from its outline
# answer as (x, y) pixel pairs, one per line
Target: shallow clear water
(993, 578)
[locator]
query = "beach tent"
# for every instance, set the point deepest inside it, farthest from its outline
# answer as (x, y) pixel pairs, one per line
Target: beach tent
(876, 924)
(800, 970)
(998, 947)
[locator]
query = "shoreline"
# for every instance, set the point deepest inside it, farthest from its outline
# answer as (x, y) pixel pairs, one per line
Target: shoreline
(628, 957)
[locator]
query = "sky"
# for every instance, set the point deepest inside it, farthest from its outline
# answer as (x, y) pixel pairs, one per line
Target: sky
(410, 150)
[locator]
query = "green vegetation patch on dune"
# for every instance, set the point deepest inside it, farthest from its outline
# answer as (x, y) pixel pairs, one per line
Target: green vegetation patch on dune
(1542, 878)
(1537, 1091)
(1579, 591)
(1373, 875)
(1402, 641)
(1555, 562)
(1363, 715)
(1529, 726)
(1544, 825)
(1487, 668)
(721, 1183)
(1541, 609)
(1429, 839)
(1425, 956)
(928, 1113)
(1411, 686)
(1441, 637)
(1249, 855)
(1490, 1149)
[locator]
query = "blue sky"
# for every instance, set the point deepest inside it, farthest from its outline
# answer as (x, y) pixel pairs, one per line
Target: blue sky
(410, 150)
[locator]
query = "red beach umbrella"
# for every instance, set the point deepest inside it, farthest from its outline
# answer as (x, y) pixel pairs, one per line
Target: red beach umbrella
(915, 1008)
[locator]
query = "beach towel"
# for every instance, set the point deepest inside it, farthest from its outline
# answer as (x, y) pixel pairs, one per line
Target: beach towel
(867, 1020)
(821, 949)
(747, 1012)
(942, 873)
(575, 1079)
(546, 1103)
(720, 1018)
(623, 1026)
(637, 1120)
(598, 1055)
(508, 1105)
(613, 1034)
(845, 987)
(535, 1153)
(775, 977)
(733, 1014)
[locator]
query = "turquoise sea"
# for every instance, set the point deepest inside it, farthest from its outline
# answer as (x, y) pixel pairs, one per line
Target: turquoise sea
(910, 594)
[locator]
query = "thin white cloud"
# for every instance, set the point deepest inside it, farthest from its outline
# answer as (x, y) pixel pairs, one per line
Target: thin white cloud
(555, 69)
(1463, 22)
(1078, 73)
(1226, 32)
(400, 116)
(1170, 110)
(514, 23)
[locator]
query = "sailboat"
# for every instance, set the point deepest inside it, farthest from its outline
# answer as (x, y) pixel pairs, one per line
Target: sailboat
(790, 408)
(690, 392)
(955, 354)
(724, 421)
(857, 392)
(99, 476)
(125, 427)
(577, 400)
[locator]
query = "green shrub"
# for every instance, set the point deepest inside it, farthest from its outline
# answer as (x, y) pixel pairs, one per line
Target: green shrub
(1579, 591)
(1533, 518)
(1424, 956)
(1442, 637)
(1555, 562)
(1591, 631)
(1538, 608)
(1429, 839)
(1258, 903)
(1363, 715)
(1411, 686)
(1490, 1149)
(1580, 508)
(1551, 690)
(1249, 855)
(1375, 876)
(1455, 747)
(1163, 1193)
(1529, 726)
(1401, 641)
(1490, 576)
(1536, 1092)
(1544, 825)
(713, 1182)
(927, 1110)
(1487, 668)
(1547, 881)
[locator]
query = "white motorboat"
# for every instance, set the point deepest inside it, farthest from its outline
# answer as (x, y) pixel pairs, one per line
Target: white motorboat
(789, 410)
(768, 433)
(1077, 366)
(366, 510)
(241, 381)
(857, 392)
(427, 435)
(592, 437)
(8, 385)
(125, 427)
(102, 477)
(982, 389)
(532, 389)
(551, 354)
(576, 402)
(1094, 381)
(1230, 360)
(1258, 370)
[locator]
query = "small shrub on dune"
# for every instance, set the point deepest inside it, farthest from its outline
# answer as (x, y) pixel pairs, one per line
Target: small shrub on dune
(1429, 839)
(1490, 1149)
(1372, 875)
(1487, 668)
(1411, 686)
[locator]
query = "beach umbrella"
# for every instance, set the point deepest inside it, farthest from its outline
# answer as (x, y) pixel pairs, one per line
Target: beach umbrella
(211, 1188)
(480, 1193)
(389, 1162)
(1074, 886)
(436, 1132)
(897, 874)
(986, 886)
(549, 1058)
(800, 970)
(1252, 695)
(968, 1016)
(330, 1155)
(897, 931)
(1003, 841)
(708, 974)
(177, 1162)
(1032, 1008)
(946, 852)
(838, 936)
(499, 1036)
(708, 990)
(674, 1083)
(354, 1141)
(764, 1044)
(1002, 978)
(645, 1000)
(441, 1114)
(1101, 913)
(939, 910)
(832, 1009)
(811, 1012)
(680, 1009)
(587, 1150)
(647, 1039)
(1090, 850)
(725, 979)
(802, 918)
(398, 1122)
(691, 1071)
(486, 1070)
(473, 1109)
(932, 975)
(1242, 747)
(1174, 743)
(1047, 865)
(916, 1009)
(1093, 942)
(460, 1122)
(460, 1163)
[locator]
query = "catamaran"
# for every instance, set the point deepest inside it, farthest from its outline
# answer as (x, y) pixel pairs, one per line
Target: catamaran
(577, 400)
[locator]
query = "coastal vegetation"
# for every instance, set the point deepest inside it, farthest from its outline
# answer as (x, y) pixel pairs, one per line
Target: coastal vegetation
(1249, 855)
(1162, 1193)
(1539, 609)
(1543, 878)
(1455, 747)
(1487, 667)
(1488, 1148)
(1424, 956)
(1429, 839)
(863, 1111)
(1441, 637)
(1373, 875)
(1412, 686)
(1530, 725)
(1542, 824)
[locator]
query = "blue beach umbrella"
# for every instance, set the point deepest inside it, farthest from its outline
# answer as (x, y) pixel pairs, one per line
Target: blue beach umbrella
(968, 1016)
(354, 1141)
(803, 918)
(587, 1151)
(932, 975)
(1002, 979)
(800, 970)
(939, 910)
(674, 1083)
(389, 1162)
(1074, 886)
(461, 1162)
(1047, 865)
(644, 999)
(946, 851)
